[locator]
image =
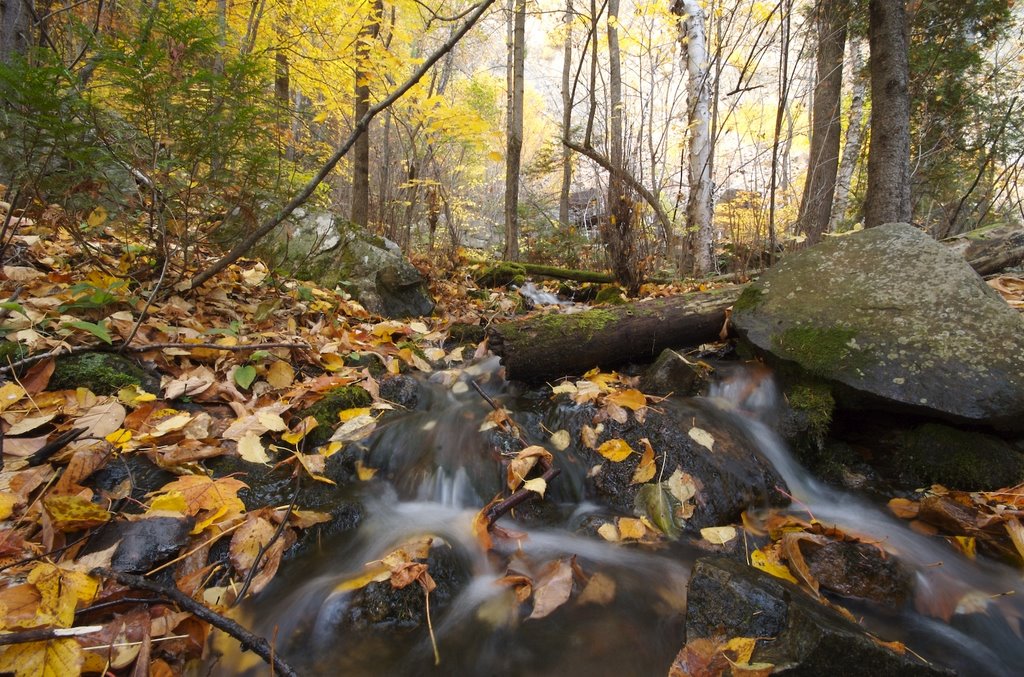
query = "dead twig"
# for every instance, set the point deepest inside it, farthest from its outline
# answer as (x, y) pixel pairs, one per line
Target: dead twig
(246, 639)
(44, 634)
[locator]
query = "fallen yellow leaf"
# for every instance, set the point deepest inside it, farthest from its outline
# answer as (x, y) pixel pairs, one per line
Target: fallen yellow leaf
(615, 450)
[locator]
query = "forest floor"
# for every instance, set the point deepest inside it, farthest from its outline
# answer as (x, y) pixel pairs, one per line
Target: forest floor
(235, 370)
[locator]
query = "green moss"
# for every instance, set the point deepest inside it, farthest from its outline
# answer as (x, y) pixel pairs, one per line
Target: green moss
(611, 295)
(501, 274)
(368, 360)
(580, 326)
(102, 373)
(466, 333)
(11, 351)
(819, 351)
(326, 410)
(750, 298)
(814, 399)
(957, 459)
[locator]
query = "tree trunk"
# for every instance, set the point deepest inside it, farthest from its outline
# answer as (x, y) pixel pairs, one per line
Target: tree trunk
(361, 152)
(567, 102)
(545, 347)
(618, 231)
(854, 136)
(514, 125)
(819, 190)
(698, 206)
(888, 196)
(15, 29)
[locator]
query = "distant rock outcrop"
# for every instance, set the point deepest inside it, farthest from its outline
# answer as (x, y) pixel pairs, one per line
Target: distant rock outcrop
(892, 319)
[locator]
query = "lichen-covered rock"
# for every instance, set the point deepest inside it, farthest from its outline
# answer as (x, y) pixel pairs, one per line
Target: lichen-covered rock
(893, 319)
(795, 633)
(374, 270)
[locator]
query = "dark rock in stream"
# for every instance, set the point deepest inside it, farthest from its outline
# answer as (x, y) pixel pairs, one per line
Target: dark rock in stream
(670, 374)
(858, 570)
(957, 459)
(142, 544)
(381, 606)
(730, 476)
(402, 390)
(893, 320)
(797, 634)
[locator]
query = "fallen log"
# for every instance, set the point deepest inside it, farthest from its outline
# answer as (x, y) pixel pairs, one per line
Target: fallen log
(991, 249)
(545, 347)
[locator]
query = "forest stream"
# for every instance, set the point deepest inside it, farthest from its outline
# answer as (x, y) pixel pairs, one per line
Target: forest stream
(436, 472)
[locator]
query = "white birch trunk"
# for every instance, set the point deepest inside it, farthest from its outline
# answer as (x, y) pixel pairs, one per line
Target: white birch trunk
(698, 206)
(854, 136)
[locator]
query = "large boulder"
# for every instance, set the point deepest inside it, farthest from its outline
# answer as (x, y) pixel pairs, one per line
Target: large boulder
(374, 270)
(892, 319)
(384, 280)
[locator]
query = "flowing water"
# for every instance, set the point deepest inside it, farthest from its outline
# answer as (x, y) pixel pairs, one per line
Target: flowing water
(441, 470)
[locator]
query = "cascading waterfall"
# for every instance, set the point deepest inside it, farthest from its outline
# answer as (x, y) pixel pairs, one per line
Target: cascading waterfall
(443, 471)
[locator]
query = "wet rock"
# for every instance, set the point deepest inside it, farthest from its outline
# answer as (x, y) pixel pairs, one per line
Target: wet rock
(858, 570)
(380, 606)
(144, 544)
(795, 633)
(401, 390)
(671, 374)
(326, 410)
(729, 477)
(892, 319)
(131, 475)
(102, 373)
(957, 459)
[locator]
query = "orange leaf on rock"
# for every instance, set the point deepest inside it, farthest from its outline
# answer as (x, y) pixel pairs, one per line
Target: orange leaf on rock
(524, 462)
(615, 450)
(646, 468)
(552, 588)
(73, 513)
(246, 542)
(630, 399)
(203, 493)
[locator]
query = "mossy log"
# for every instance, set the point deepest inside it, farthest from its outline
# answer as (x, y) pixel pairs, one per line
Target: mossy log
(546, 347)
(992, 249)
(567, 273)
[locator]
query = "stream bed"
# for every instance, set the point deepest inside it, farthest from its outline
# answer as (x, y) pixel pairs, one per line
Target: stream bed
(436, 469)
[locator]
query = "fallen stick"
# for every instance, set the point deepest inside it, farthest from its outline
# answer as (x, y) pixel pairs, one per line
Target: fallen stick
(248, 640)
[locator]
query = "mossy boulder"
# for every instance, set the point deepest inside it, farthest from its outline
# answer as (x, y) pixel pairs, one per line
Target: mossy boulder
(102, 373)
(326, 410)
(610, 295)
(957, 459)
(893, 320)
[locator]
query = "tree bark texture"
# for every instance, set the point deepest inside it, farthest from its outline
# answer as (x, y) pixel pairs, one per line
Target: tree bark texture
(563, 196)
(826, 126)
(854, 135)
(514, 126)
(698, 205)
(361, 151)
(888, 195)
(15, 29)
(546, 347)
